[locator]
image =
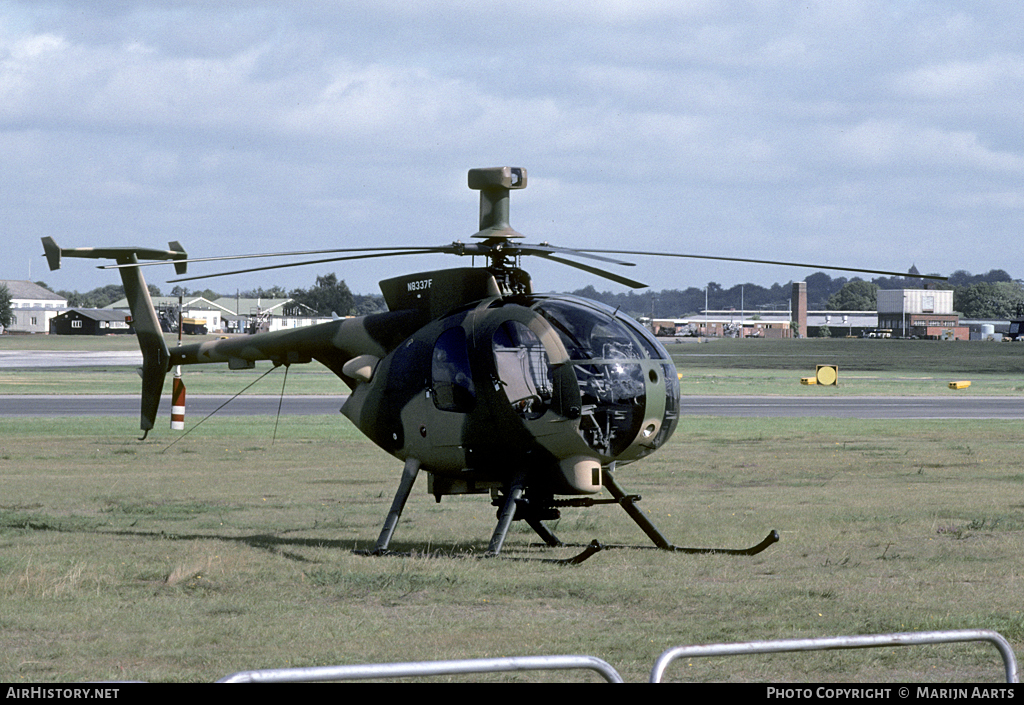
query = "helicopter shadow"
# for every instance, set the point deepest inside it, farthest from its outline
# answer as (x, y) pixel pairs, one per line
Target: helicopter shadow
(270, 543)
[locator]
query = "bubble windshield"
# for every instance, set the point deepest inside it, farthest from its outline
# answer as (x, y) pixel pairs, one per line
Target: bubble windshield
(592, 333)
(609, 353)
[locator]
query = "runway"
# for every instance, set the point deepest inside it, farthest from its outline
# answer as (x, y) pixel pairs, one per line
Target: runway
(953, 406)
(68, 358)
(932, 407)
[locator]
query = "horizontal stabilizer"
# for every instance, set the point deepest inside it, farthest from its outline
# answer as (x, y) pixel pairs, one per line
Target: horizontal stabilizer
(122, 255)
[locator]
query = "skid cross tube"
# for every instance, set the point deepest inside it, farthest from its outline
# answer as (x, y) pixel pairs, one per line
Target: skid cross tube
(544, 532)
(863, 641)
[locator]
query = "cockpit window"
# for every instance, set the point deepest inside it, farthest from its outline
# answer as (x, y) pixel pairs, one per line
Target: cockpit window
(608, 354)
(451, 376)
(591, 334)
(654, 349)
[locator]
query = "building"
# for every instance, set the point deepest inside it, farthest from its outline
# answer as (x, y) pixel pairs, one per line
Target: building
(262, 315)
(920, 313)
(91, 321)
(841, 324)
(723, 324)
(907, 313)
(32, 306)
(195, 307)
(993, 329)
(231, 314)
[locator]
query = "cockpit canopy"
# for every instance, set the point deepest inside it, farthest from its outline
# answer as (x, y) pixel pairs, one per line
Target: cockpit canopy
(628, 384)
(590, 331)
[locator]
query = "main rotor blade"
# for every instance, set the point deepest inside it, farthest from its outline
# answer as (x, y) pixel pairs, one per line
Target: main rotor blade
(317, 261)
(594, 270)
(768, 261)
(302, 253)
(545, 249)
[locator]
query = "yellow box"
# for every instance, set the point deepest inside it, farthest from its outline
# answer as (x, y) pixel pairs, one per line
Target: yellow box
(962, 384)
(808, 380)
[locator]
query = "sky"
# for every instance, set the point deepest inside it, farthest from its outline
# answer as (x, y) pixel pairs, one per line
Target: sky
(860, 133)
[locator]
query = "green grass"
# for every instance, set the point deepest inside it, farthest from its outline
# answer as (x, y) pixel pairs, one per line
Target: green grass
(921, 357)
(129, 560)
(122, 559)
(866, 367)
(102, 343)
(727, 382)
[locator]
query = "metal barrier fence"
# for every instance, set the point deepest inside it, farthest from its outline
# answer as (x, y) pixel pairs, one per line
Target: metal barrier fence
(552, 663)
(840, 642)
(425, 668)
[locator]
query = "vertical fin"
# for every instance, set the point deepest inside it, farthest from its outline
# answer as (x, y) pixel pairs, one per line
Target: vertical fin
(52, 252)
(179, 267)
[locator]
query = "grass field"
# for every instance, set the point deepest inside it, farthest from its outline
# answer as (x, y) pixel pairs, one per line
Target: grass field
(129, 560)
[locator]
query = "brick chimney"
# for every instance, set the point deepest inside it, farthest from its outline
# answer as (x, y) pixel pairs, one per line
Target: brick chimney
(800, 309)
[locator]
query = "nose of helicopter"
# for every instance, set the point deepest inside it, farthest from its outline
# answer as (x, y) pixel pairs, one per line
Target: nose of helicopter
(653, 436)
(659, 414)
(628, 386)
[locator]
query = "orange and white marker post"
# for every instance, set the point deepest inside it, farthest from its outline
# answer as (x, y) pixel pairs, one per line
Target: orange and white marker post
(178, 388)
(178, 402)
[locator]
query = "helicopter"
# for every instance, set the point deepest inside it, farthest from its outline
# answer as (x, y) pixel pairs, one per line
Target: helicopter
(470, 375)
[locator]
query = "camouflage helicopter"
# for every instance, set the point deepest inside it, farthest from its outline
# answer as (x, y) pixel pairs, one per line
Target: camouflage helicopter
(470, 375)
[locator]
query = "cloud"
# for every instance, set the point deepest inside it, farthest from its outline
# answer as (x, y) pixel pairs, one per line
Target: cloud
(900, 146)
(990, 77)
(718, 126)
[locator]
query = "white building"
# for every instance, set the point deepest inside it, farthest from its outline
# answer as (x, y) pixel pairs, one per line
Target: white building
(235, 315)
(921, 313)
(32, 306)
(900, 301)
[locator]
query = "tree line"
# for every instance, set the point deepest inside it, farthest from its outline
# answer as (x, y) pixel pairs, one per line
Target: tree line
(994, 294)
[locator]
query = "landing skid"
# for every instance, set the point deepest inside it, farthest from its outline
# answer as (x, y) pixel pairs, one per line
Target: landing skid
(590, 549)
(515, 505)
(771, 538)
(628, 502)
(505, 517)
